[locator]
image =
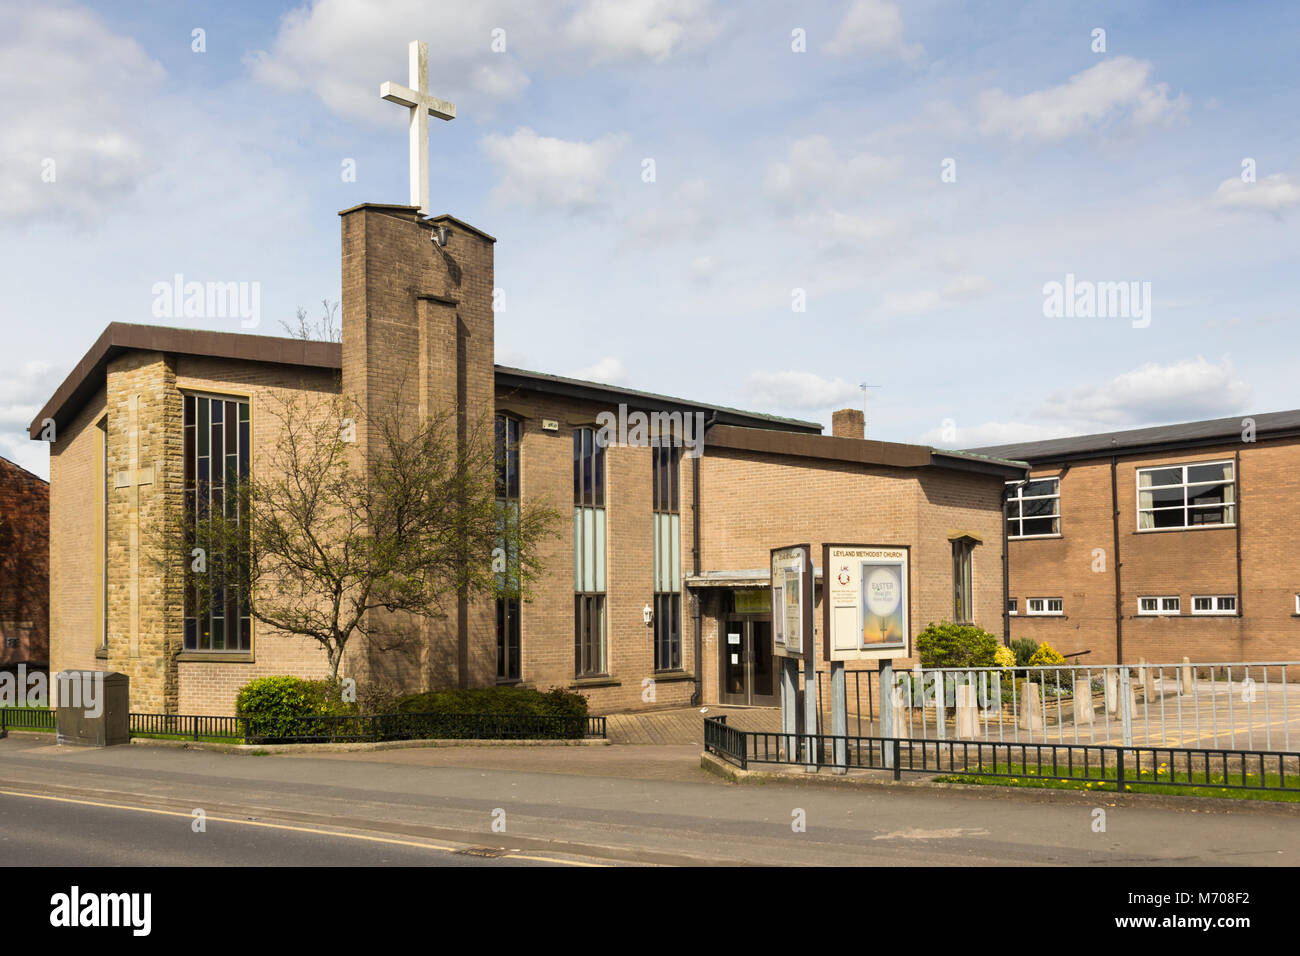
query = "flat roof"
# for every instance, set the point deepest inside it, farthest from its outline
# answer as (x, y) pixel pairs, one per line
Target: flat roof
(858, 450)
(88, 375)
(119, 337)
(1160, 438)
(595, 391)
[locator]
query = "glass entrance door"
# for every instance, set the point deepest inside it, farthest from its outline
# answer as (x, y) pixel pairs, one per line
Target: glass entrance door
(748, 674)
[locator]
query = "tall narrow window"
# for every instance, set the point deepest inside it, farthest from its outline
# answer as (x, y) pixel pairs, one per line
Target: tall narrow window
(102, 522)
(507, 477)
(216, 453)
(666, 473)
(588, 554)
(962, 592)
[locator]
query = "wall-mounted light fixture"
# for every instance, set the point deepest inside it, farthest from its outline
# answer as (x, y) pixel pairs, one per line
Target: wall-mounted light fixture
(440, 235)
(647, 615)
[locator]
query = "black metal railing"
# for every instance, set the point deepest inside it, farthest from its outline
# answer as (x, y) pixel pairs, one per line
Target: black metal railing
(26, 718)
(189, 726)
(1121, 767)
(341, 729)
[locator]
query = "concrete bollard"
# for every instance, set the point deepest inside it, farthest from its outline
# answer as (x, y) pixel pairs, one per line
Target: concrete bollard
(968, 719)
(1083, 712)
(1031, 708)
(1187, 676)
(1143, 674)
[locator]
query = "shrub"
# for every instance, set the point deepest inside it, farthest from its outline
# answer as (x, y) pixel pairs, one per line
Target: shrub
(1024, 648)
(510, 701)
(1004, 657)
(956, 645)
(1045, 656)
(556, 702)
(274, 706)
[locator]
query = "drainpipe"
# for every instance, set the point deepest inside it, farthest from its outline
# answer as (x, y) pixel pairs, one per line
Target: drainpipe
(697, 697)
(1119, 595)
(1006, 571)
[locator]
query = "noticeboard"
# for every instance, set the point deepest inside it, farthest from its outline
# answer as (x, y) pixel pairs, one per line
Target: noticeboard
(865, 606)
(792, 601)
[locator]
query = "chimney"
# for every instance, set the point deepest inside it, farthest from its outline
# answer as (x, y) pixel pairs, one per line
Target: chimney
(848, 423)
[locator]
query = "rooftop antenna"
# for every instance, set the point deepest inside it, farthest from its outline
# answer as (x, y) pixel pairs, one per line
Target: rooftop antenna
(864, 386)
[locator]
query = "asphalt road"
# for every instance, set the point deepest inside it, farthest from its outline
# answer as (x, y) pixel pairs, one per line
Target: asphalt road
(558, 805)
(57, 833)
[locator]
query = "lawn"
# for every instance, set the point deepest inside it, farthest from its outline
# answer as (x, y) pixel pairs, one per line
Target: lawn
(1021, 775)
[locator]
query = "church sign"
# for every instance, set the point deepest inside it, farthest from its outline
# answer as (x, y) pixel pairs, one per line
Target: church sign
(792, 601)
(865, 607)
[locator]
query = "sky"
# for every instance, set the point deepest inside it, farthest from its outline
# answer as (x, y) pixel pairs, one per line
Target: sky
(763, 206)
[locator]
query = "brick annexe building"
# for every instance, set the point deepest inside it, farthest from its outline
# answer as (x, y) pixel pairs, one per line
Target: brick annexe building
(688, 537)
(1159, 543)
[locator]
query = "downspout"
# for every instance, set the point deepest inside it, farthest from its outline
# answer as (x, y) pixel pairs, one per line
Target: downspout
(1006, 572)
(1236, 503)
(697, 697)
(1119, 595)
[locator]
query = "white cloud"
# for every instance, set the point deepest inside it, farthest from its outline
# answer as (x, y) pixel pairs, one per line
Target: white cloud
(608, 371)
(547, 172)
(1152, 394)
(813, 169)
(340, 51)
(872, 27)
(1114, 91)
(71, 92)
(23, 392)
(1270, 194)
(990, 433)
(640, 29)
(802, 390)
(960, 289)
(704, 268)
(845, 227)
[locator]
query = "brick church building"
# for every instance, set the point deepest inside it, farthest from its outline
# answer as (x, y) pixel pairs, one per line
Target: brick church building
(667, 553)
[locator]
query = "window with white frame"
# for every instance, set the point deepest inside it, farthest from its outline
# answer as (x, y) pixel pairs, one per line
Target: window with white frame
(1045, 606)
(1163, 604)
(1013, 605)
(1034, 508)
(1186, 496)
(1214, 604)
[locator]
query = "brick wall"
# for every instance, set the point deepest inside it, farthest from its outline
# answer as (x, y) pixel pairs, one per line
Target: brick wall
(24, 567)
(76, 482)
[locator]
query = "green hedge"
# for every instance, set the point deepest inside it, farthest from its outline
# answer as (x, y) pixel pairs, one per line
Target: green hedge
(282, 706)
(555, 702)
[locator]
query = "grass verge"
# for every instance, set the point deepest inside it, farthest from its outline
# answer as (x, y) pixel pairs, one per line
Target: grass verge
(1173, 783)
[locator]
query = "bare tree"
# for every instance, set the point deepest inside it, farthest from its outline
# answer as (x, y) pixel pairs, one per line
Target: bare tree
(323, 539)
(324, 329)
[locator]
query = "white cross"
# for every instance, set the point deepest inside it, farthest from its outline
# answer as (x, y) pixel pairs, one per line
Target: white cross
(416, 98)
